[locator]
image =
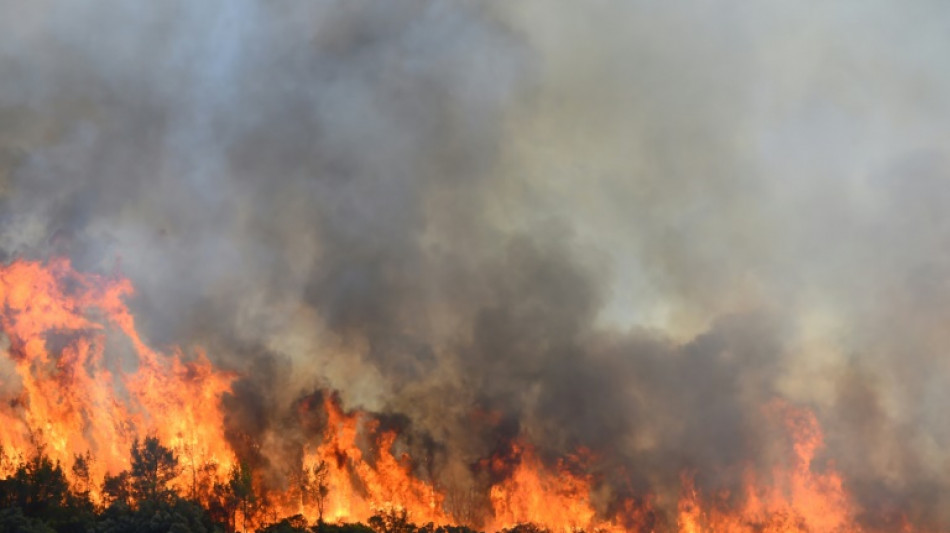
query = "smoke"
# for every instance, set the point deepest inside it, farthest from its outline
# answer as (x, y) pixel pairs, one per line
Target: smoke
(619, 226)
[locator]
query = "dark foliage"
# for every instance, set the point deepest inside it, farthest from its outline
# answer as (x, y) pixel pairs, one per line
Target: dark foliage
(117, 489)
(153, 468)
(398, 522)
(38, 498)
(432, 528)
(392, 522)
(176, 516)
(293, 524)
(342, 528)
(525, 528)
(13, 520)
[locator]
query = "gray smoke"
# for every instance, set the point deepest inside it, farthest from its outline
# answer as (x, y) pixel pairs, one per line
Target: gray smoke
(625, 226)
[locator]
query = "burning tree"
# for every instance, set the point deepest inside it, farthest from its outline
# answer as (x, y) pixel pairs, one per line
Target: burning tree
(153, 468)
(314, 486)
(241, 485)
(355, 463)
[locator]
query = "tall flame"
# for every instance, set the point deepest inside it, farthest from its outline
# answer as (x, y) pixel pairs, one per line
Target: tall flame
(67, 398)
(558, 498)
(78, 379)
(796, 500)
(359, 488)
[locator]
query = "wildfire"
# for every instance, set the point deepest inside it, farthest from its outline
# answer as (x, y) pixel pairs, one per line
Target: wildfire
(797, 499)
(67, 398)
(360, 488)
(556, 498)
(78, 379)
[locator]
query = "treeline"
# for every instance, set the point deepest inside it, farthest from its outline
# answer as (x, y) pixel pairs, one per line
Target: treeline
(39, 498)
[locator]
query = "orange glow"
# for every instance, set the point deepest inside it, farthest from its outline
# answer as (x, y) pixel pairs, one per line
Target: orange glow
(361, 486)
(557, 499)
(797, 499)
(66, 397)
(78, 379)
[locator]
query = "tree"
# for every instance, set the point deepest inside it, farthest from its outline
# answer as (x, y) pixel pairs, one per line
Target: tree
(82, 484)
(12, 519)
(117, 489)
(315, 486)
(242, 487)
(176, 516)
(392, 521)
(222, 505)
(292, 524)
(153, 468)
(39, 487)
(38, 498)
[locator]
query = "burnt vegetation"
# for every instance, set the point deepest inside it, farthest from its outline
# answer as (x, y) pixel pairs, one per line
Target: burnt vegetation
(37, 497)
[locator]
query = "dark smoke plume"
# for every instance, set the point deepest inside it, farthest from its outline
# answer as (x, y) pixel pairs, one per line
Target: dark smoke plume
(622, 226)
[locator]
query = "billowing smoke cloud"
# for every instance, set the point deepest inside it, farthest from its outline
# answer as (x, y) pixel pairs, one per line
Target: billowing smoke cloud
(625, 227)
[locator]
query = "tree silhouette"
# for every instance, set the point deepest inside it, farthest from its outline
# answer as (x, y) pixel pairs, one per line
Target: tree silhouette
(241, 484)
(38, 487)
(37, 497)
(117, 489)
(392, 521)
(291, 524)
(153, 468)
(82, 477)
(314, 485)
(526, 528)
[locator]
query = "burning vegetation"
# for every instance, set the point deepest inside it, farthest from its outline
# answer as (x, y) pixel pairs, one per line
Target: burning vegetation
(99, 430)
(640, 266)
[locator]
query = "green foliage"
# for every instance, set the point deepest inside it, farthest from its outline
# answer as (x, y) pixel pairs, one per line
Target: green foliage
(12, 520)
(39, 486)
(241, 485)
(153, 468)
(178, 516)
(38, 498)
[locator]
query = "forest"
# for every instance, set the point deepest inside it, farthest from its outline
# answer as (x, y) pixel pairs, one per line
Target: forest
(39, 498)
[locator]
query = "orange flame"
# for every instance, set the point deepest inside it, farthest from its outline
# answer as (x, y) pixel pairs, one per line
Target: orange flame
(67, 398)
(361, 488)
(79, 379)
(797, 500)
(557, 499)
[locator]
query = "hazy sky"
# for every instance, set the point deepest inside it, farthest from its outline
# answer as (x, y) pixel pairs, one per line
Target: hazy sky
(689, 207)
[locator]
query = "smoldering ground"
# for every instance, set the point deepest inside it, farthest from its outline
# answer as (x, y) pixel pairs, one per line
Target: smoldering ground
(620, 226)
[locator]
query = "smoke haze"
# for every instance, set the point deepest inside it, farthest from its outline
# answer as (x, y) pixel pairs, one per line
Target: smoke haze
(624, 226)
